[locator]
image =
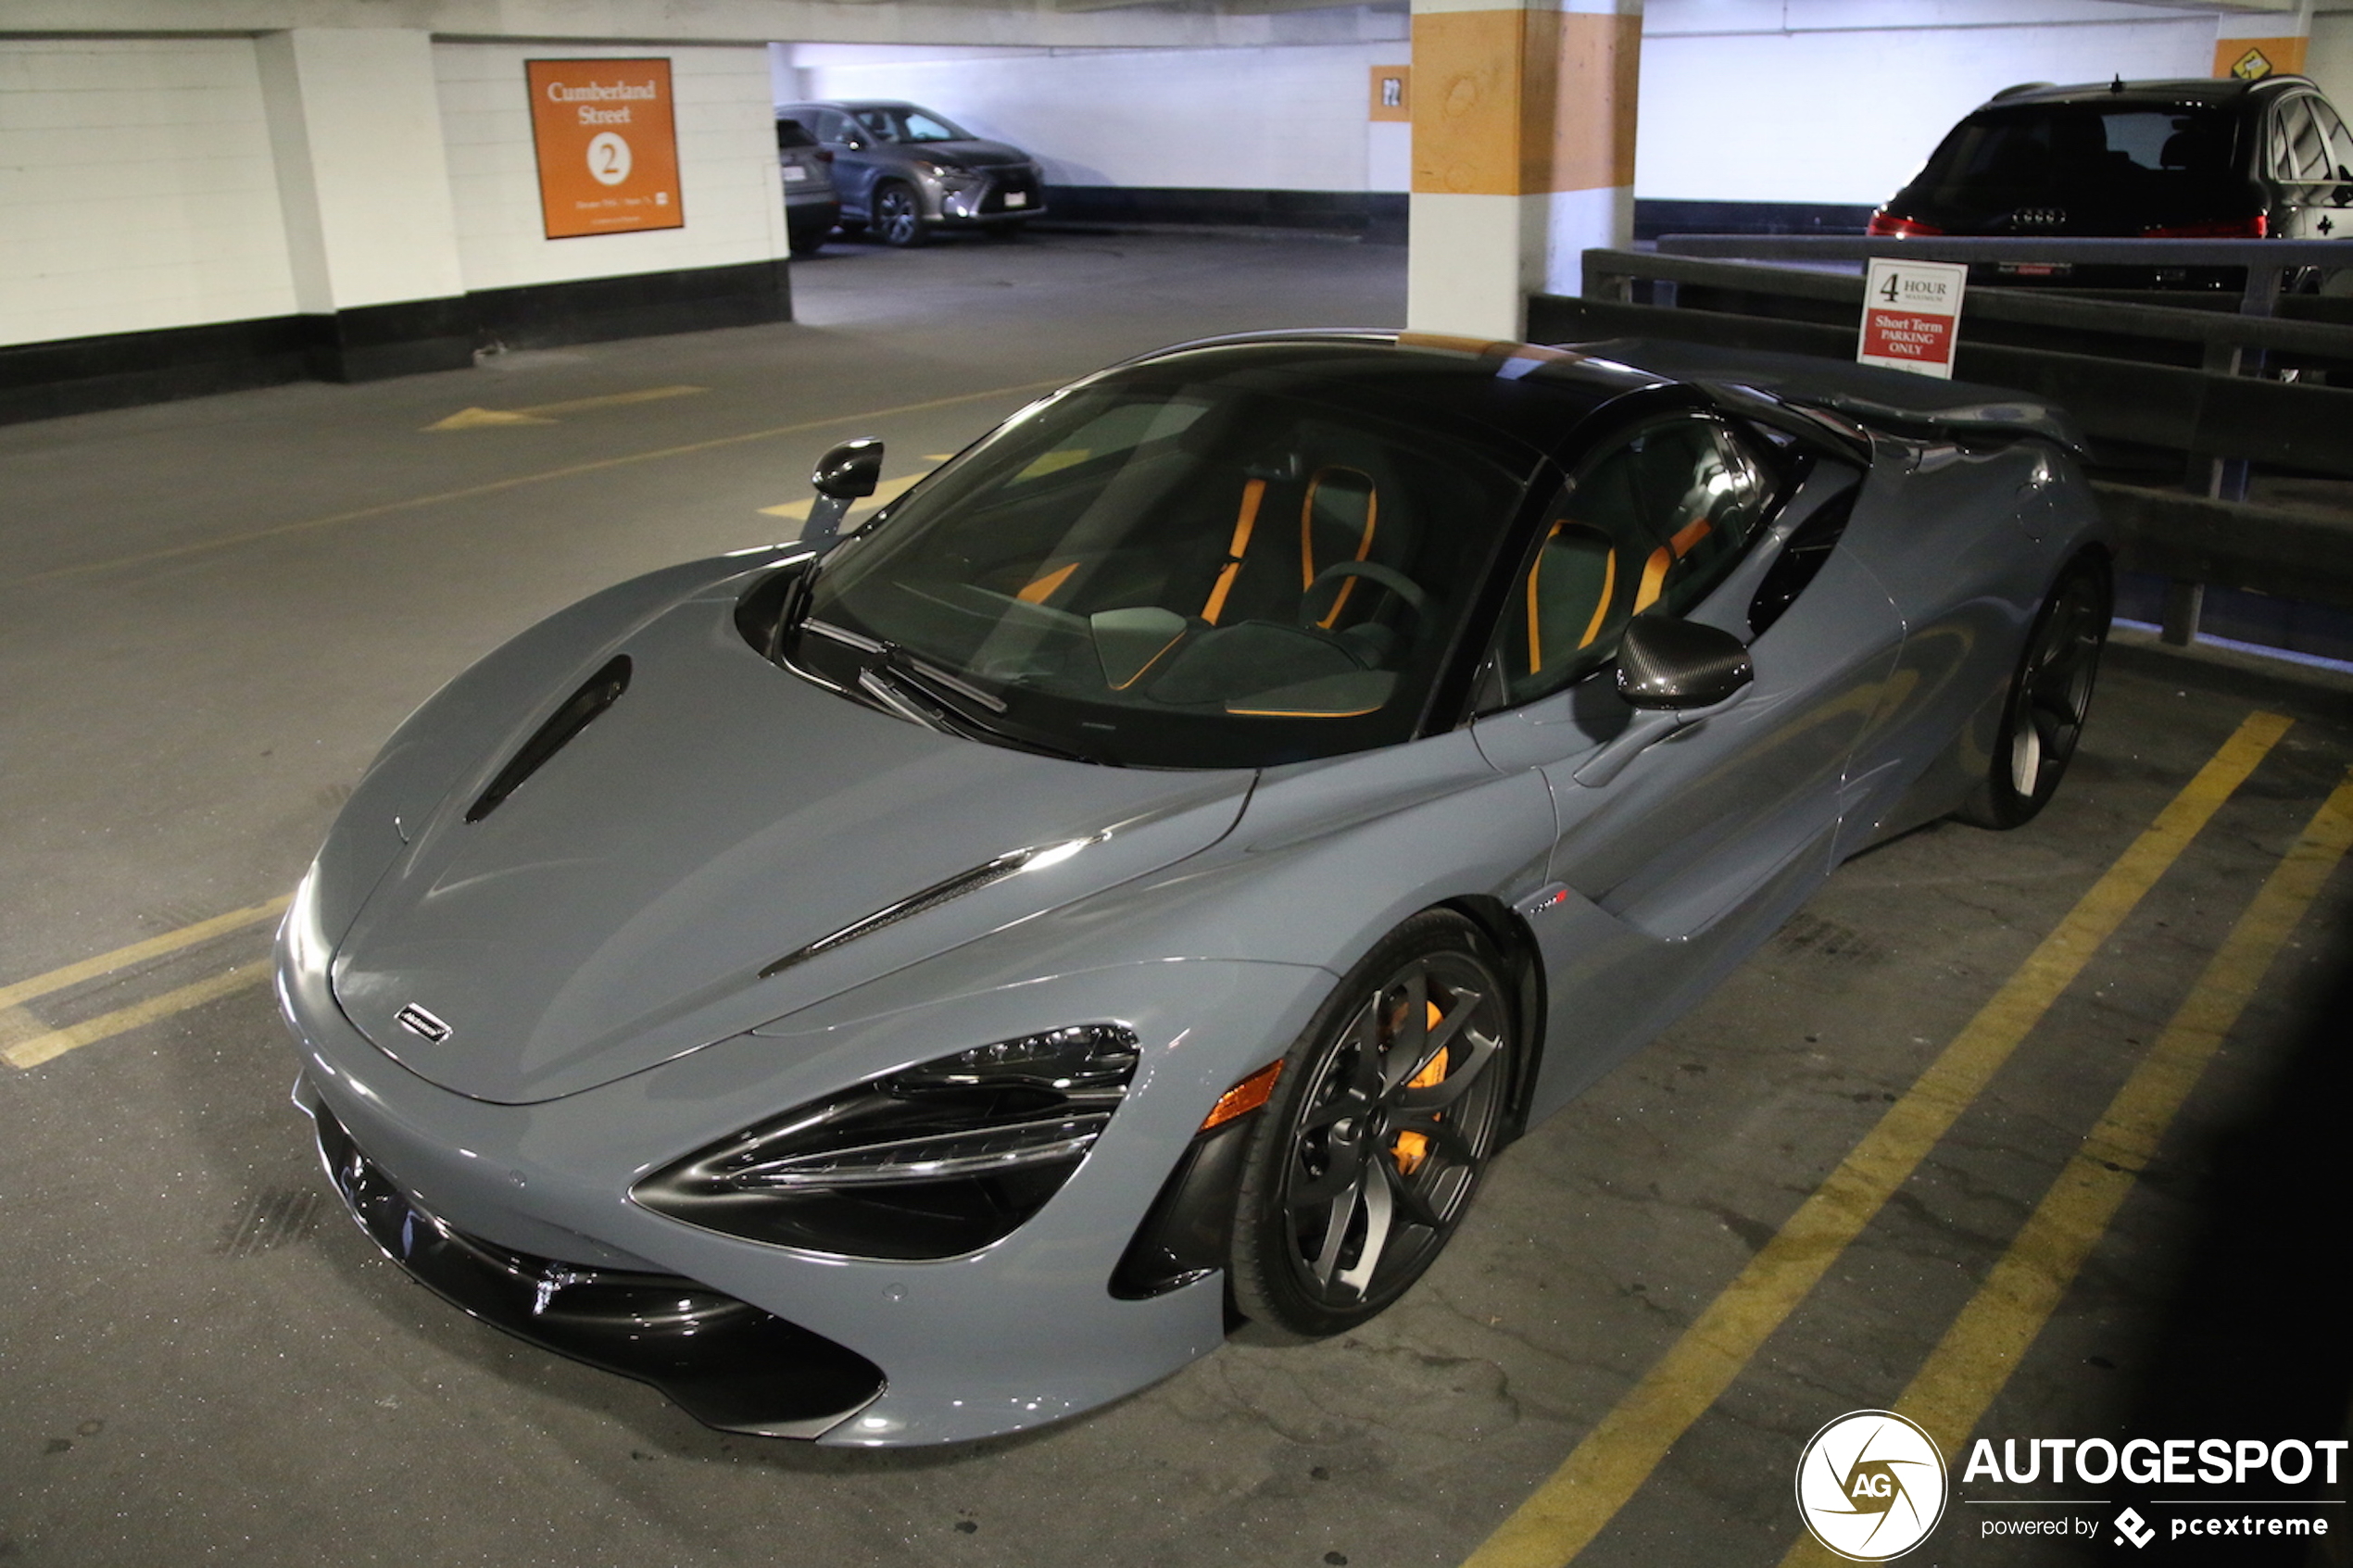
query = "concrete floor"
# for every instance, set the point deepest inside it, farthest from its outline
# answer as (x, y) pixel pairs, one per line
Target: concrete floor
(210, 613)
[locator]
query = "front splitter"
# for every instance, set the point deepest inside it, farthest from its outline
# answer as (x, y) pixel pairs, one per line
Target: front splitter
(724, 1361)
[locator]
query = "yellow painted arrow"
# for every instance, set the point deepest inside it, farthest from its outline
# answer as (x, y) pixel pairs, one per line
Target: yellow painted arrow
(548, 413)
(888, 490)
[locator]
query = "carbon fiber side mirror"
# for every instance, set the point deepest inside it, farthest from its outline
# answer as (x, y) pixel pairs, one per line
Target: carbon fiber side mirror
(1667, 664)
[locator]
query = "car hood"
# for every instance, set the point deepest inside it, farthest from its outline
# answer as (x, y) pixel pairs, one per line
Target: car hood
(617, 910)
(972, 153)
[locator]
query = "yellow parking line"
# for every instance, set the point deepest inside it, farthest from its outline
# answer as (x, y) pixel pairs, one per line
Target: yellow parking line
(153, 946)
(55, 1044)
(1984, 1344)
(1604, 1470)
(414, 503)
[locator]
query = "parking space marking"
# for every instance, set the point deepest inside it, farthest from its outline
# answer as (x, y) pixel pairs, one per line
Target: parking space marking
(548, 413)
(138, 952)
(1614, 1460)
(889, 490)
(495, 486)
(57, 1042)
(1974, 1359)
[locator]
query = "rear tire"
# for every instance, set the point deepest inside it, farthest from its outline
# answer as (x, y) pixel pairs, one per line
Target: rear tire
(2049, 698)
(1382, 1125)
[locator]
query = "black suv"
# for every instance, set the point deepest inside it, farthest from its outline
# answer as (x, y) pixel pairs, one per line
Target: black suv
(2194, 159)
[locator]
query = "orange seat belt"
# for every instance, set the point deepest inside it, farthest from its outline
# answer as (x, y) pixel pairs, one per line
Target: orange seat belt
(1666, 556)
(1244, 521)
(1307, 537)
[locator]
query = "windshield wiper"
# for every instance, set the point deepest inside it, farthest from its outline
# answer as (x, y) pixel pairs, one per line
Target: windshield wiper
(938, 700)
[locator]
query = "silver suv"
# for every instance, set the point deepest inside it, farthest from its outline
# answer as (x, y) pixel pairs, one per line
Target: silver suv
(909, 173)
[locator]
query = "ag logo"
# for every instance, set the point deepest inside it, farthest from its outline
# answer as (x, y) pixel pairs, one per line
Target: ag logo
(1870, 1485)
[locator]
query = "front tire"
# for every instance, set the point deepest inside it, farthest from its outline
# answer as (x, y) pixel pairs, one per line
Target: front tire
(1382, 1125)
(2050, 696)
(899, 215)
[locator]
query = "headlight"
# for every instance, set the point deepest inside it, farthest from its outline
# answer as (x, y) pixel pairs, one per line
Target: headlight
(951, 175)
(929, 1161)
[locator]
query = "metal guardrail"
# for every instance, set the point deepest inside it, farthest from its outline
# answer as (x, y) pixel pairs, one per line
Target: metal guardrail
(2213, 417)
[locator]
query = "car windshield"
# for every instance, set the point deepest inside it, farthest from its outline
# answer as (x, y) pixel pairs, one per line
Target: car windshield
(1234, 563)
(893, 125)
(2135, 156)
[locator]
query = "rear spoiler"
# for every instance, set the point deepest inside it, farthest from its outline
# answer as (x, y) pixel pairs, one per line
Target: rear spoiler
(1897, 402)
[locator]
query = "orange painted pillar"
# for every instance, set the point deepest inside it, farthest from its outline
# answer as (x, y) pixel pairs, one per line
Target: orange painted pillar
(1523, 154)
(2259, 43)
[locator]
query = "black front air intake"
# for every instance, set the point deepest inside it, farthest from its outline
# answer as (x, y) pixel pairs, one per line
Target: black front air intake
(580, 709)
(728, 1363)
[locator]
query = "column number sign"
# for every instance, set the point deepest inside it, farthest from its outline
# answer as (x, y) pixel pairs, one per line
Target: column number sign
(608, 146)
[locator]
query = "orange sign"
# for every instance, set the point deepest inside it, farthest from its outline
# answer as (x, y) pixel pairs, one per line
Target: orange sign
(608, 146)
(1391, 93)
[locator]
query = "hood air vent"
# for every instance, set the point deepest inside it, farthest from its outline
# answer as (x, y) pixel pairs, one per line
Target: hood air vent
(1034, 859)
(600, 692)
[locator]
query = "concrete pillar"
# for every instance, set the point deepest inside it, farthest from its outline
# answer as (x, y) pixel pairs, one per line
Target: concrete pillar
(1523, 154)
(364, 180)
(2259, 43)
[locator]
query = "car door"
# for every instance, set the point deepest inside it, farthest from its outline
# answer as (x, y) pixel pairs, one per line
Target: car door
(1683, 838)
(853, 160)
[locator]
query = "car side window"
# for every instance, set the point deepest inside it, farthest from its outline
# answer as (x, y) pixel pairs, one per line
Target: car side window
(2339, 140)
(2308, 149)
(1650, 522)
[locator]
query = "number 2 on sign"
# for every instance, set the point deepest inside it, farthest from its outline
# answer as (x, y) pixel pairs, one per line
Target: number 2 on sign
(609, 158)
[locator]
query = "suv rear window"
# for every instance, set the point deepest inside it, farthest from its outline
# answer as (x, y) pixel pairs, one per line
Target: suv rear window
(2140, 156)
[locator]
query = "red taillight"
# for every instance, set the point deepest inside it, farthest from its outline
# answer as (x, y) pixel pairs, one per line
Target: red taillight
(1885, 226)
(2256, 228)
(824, 155)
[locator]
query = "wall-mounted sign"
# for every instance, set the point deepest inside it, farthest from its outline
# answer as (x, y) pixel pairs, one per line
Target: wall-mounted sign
(1393, 92)
(608, 146)
(1912, 315)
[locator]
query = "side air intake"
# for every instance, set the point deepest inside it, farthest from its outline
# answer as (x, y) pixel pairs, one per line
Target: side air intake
(580, 709)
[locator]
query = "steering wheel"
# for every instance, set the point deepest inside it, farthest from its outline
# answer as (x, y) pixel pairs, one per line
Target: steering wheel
(1407, 590)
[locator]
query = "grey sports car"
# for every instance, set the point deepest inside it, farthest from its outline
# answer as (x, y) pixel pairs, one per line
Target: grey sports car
(912, 987)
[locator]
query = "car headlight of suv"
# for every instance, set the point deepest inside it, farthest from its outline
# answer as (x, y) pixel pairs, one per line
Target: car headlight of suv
(929, 1161)
(951, 177)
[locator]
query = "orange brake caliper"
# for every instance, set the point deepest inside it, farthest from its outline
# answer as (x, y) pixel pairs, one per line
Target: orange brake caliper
(1412, 1148)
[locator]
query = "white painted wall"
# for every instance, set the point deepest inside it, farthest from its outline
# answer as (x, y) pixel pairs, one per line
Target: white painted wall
(2329, 61)
(726, 167)
(1280, 117)
(355, 129)
(1842, 100)
(136, 188)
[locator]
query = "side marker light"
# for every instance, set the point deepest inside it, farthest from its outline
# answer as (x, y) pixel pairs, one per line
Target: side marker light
(1244, 1096)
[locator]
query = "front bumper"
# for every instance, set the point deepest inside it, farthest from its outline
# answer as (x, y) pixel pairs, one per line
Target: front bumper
(725, 1362)
(1020, 1332)
(997, 196)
